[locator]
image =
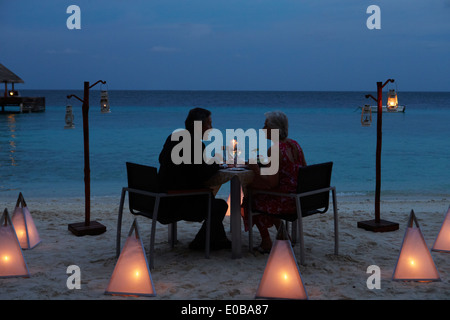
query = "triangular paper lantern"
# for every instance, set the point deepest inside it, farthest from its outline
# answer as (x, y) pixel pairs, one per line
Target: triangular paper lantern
(131, 275)
(24, 225)
(415, 262)
(281, 278)
(12, 262)
(442, 242)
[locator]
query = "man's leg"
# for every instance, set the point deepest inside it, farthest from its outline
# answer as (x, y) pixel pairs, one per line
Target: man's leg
(218, 236)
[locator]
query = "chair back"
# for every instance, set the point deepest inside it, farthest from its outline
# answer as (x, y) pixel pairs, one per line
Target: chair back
(143, 178)
(310, 178)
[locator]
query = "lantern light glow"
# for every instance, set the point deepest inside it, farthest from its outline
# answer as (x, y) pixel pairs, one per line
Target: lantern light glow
(12, 262)
(281, 278)
(415, 262)
(442, 242)
(392, 101)
(24, 226)
(104, 101)
(131, 275)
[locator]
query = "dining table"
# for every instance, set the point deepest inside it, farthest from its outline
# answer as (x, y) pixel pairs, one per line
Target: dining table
(239, 178)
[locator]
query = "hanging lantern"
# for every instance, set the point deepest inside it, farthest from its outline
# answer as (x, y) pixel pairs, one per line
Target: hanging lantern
(442, 242)
(131, 275)
(69, 118)
(366, 116)
(24, 226)
(415, 262)
(392, 101)
(104, 101)
(12, 262)
(281, 278)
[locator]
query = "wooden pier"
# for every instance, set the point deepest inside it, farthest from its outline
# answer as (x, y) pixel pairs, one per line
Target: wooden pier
(22, 104)
(11, 101)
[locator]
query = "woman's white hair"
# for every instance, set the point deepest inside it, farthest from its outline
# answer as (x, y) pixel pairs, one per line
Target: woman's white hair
(278, 120)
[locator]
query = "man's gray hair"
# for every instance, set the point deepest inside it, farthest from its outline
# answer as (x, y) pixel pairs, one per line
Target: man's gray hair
(278, 120)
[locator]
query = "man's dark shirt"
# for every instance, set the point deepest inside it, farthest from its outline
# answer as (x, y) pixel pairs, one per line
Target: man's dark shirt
(181, 177)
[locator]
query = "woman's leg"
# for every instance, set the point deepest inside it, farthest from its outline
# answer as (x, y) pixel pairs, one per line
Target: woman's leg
(261, 224)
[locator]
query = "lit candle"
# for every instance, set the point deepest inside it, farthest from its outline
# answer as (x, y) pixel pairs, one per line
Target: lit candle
(234, 143)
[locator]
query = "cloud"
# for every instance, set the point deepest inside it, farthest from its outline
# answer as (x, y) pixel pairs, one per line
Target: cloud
(64, 51)
(163, 49)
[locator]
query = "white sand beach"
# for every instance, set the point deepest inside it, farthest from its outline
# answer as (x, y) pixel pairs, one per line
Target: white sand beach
(182, 274)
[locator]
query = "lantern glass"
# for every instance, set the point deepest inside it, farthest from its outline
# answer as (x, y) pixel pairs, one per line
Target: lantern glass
(281, 278)
(104, 101)
(12, 262)
(366, 116)
(442, 242)
(392, 101)
(415, 262)
(69, 117)
(131, 275)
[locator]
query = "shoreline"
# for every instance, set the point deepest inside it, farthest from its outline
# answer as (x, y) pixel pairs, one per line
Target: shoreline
(181, 274)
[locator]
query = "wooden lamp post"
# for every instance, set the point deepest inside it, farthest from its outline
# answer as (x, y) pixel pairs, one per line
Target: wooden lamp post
(87, 227)
(378, 225)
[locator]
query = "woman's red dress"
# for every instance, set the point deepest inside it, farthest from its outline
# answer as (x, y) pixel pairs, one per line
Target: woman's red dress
(288, 172)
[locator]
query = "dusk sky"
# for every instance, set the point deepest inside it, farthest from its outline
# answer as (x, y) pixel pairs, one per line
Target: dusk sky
(294, 45)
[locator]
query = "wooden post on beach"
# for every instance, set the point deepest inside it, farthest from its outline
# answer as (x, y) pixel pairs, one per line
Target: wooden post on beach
(378, 225)
(87, 227)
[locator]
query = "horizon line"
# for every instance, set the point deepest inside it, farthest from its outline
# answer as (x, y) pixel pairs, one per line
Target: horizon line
(238, 90)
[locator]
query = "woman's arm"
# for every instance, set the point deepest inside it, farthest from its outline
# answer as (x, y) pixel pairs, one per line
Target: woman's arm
(263, 182)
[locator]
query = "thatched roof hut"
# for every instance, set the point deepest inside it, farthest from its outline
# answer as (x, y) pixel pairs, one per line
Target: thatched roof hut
(12, 98)
(7, 76)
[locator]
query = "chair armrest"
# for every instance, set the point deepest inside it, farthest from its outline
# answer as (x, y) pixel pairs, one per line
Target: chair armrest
(291, 195)
(258, 191)
(171, 193)
(142, 192)
(304, 194)
(187, 192)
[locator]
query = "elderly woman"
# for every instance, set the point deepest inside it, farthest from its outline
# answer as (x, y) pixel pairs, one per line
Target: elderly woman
(285, 180)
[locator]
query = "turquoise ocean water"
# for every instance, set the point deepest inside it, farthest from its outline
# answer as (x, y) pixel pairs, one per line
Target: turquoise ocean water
(40, 158)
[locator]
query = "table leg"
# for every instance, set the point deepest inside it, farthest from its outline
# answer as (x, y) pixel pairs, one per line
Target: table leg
(235, 216)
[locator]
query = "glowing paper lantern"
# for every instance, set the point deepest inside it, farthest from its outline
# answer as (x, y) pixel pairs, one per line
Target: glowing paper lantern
(12, 262)
(281, 278)
(131, 275)
(442, 242)
(24, 225)
(415, 262)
